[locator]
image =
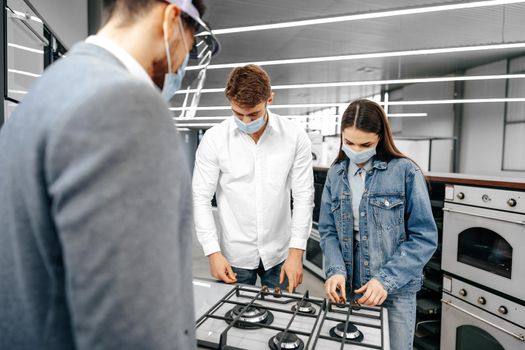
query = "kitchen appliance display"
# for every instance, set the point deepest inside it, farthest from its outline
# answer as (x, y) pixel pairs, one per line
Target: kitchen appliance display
(248, 317)
(474, 318)
(484, 237)
(484, 262)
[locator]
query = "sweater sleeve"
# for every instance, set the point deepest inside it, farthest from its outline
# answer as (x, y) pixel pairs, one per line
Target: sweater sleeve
(120, 190)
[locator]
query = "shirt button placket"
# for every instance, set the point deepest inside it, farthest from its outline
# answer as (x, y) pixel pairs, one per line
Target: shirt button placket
(258, 205)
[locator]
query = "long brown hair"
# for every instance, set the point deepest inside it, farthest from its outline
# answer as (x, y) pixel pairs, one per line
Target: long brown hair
(369, 116)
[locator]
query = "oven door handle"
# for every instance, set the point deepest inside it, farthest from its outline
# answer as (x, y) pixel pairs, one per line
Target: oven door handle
(520, 337)
(483, 216)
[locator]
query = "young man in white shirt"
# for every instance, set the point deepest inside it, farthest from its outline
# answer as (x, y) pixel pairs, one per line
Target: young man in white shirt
(253, 161)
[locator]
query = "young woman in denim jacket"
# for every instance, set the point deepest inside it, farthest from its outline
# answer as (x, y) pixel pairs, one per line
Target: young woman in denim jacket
(376, 224)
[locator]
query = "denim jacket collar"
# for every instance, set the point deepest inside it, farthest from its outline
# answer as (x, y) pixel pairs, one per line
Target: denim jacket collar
(378, 164)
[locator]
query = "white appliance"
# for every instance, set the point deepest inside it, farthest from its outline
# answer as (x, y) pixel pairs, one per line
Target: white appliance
(484, 237)
(484, 260)
(473, 318)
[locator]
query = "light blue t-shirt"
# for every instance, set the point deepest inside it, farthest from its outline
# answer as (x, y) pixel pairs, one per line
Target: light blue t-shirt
(356, 179)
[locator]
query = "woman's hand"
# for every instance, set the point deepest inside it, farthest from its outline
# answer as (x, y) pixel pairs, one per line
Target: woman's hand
(374, 293)
(332, 285)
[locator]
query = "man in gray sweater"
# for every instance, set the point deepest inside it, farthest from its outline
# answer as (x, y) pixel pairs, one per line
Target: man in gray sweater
(95, 214)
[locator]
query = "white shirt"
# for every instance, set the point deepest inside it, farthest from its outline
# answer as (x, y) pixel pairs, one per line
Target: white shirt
(252, 182)
(131, 64)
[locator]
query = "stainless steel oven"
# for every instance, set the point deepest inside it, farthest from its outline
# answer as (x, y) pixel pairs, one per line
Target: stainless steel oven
(474, 319)
(313, 258)
(484, 237)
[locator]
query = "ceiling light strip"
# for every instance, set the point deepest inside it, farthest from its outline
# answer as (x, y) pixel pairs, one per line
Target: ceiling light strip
(407, 115)
(21, 92)
(362, 16)
(455, 101)
(183, 121)
(418, 52)
(391, 103)
(376, 82)
(25, 48)
(21, 72)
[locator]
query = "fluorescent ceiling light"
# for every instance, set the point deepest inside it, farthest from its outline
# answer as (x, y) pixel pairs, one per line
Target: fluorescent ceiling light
(368, 15)
(454, 101)
(390, 103)
(407, 115)
(201, 118)
(367, 55)
(25, 48)
(186, 125)
(21, 72)
(375, 82)
(300, 105)
(21, 92)
(183, 121)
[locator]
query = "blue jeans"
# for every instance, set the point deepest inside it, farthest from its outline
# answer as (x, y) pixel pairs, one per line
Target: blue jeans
(401, 310)
(269, 278)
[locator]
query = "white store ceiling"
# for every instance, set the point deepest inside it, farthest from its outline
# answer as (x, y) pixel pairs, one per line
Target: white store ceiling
(455, 28)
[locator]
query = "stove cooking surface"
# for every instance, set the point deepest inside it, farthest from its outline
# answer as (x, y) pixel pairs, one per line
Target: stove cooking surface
(247, 317)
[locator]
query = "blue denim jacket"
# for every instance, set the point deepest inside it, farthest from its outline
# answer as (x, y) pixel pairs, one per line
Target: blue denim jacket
(397, 229)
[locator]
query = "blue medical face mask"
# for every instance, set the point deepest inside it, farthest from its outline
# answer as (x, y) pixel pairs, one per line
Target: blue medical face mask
(173, 81)
(252, 127)
(359, 157)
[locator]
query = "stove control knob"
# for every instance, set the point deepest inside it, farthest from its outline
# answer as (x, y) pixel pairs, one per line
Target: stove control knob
(485, 198)
(482, 301)
(512, 202)
(463, 292)
(503, 310)
(460, 195)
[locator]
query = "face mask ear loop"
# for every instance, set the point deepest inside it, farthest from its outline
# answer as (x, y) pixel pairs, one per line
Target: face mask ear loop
(181, 28)
(166, 45)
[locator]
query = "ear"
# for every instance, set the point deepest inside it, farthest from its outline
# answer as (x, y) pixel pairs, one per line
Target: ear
(270, 100)
(171, 12)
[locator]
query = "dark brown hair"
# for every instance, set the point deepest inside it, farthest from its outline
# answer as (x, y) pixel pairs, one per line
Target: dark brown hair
(248, 86)
(369, 116)
(134, 8)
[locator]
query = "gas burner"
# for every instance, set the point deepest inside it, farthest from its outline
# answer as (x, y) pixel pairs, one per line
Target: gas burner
(304, 307)
(343, 305)
(352, 333)
(287, 340)
(255, 316)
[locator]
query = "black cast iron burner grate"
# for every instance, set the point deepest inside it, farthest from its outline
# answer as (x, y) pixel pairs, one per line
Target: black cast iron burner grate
(317, 316)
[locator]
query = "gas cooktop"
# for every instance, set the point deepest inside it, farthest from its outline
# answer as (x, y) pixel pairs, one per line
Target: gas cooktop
(248, 317)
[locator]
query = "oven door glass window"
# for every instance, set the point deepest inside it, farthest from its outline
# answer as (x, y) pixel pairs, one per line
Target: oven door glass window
(486, 250)
(474, 338)
(314, 254)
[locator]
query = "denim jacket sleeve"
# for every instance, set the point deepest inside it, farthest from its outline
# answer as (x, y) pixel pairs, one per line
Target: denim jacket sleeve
(334, 263)
(421, 236)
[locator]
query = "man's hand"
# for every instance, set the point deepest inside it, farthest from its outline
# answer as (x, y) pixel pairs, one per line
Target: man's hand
(293, 269)
(334, 283)
(220, 268)
(375, 293)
